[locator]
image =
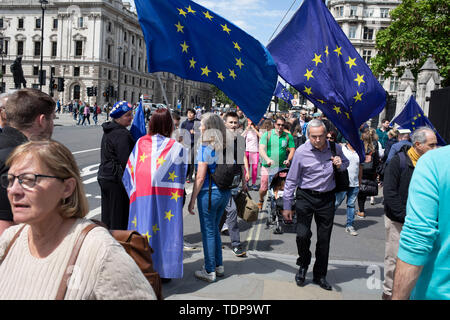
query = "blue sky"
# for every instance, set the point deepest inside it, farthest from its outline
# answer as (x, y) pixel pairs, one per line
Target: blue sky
(259, 18)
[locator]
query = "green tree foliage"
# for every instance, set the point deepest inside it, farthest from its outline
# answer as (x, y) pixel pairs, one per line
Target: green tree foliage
(221, 97)
(419, 28)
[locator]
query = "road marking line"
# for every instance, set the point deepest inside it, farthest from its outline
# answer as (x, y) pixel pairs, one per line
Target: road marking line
(91, 180)
(83, 151)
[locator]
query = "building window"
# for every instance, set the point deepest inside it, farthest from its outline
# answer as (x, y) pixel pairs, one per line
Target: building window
(109, 74)
(125, 36)
(76, 92)
(55, 23)
(367, 55)
(4, 47)
(368, 12)
(353, 11)
(352, 32)
(124, 59)
(37, 48)
(78, 48)
(54, 48)
(20, 23)
(384, 13)
(19, 48)
(109, 26)
(381, 80)
(35, 70)
(80, 22)
(368, 33)
(393, 84)
(132, 62)
(38, 23)
(1, 23)
(340, 11)
(76, 71)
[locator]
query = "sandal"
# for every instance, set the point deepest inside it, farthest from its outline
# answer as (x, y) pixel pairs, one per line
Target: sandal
(260, 204)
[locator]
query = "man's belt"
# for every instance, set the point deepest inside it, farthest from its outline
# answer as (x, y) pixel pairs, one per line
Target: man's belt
(315, 193)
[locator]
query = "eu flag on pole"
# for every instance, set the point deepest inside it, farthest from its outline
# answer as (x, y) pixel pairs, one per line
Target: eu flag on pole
(154, 180)
(194, 43)
(137, 128)
(412, 117)
(283, 93)
(314, 56)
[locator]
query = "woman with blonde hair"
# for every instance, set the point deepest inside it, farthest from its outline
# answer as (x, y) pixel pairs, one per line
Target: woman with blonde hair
(49, 205)
(213, 139)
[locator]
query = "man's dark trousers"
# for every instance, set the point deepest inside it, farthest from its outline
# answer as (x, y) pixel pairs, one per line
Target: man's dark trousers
(321, 206)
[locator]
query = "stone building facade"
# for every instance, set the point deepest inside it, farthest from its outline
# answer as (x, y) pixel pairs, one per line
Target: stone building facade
(89, 43)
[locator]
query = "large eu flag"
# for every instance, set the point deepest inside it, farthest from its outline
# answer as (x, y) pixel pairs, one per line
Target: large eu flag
(412, 117)
(194, 43)
(283, 93)
(154, 179)
(315, 57)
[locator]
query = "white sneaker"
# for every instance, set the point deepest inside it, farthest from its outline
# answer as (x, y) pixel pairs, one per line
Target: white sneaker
(205, 276)
(351, 230)
(220, 271)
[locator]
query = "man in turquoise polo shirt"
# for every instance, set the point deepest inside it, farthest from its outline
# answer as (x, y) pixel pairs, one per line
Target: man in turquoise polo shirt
(423, 263)
(276, 150)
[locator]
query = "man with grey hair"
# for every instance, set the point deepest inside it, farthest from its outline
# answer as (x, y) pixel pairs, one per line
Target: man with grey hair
(3, 99)
(397, 177)
(312, 171)
(30, 115)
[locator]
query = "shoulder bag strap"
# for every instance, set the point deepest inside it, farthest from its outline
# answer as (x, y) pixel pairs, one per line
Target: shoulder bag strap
(73, 258)
(11, 243)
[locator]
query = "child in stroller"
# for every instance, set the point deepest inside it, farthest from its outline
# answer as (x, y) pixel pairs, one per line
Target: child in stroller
(275, 202)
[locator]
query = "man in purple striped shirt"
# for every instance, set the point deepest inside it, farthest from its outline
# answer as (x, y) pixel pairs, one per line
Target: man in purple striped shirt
(312, 173)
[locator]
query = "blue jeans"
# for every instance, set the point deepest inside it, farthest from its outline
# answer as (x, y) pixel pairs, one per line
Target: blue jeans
(209, 225)
(351, 194)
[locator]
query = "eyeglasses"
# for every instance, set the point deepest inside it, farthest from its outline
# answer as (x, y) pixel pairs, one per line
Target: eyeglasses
(330, 138)
(279, 124)
(26, 180)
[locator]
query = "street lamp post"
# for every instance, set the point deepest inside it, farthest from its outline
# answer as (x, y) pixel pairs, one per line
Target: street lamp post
(118, 78)
(41, 74)
(1, 54)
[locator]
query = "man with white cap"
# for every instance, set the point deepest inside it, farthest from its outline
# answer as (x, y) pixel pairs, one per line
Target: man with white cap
(116, 146)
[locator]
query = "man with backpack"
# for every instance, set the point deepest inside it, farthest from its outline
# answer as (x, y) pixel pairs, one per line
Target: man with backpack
(397, 177)
(276, 149)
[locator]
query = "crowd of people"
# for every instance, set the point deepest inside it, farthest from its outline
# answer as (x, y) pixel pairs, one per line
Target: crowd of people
(43, 204)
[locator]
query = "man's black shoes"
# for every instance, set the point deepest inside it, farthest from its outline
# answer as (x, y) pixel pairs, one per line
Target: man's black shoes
(322, 282)
(301, 276)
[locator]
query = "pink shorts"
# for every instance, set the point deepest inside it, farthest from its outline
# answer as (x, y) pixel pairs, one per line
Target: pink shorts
(265, 177)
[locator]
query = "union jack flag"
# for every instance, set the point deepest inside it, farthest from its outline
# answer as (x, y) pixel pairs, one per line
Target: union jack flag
(154, 179)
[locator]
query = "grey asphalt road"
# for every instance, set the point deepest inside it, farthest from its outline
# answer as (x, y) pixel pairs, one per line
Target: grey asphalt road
(368, 246)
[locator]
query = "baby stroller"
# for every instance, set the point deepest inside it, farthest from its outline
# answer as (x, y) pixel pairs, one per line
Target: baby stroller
(275, 202)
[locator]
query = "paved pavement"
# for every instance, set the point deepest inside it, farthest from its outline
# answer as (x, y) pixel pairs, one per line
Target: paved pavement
(266, 275)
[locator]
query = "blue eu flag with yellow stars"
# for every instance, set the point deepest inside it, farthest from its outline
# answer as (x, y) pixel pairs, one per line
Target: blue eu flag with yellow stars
(314, 56)
(194, 43)
(283, 93)
(412, 118)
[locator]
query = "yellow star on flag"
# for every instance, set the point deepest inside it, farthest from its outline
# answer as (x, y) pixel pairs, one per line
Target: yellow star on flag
(232, 74)
(179, 27)
(239, 63)
(189, 9)
(143, 157)
(175, 196)
(208, 16)
(184, 46)
(134, 222)
(220, 76)
(358, 96)
(338, 50)
(359, 79)
(419, 115)
(347, 114)
(415, 118)
(182, 12)
(225, 28)
(351, 62)
(169, 215)
(172, 176)
(337, 109)
(147, 236)
(205, 71)
(326, 51)
(155, 228)
(321, 101)
(192, 63)
(236, 46)
(317, 59)
(307, 90)
(308, 74)
(160, 161)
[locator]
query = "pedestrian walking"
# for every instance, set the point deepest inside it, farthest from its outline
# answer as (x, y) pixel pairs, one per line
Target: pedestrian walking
(30, 115)
(49, 204)
(213, 135)
(313, 173)
(116, 146)
(397, 179)
(86, 114)
(252, 136)
(276, 149)
(191, 124)
(354, 175)
(422, 270)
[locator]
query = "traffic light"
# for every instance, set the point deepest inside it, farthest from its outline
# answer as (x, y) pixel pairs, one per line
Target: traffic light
(60, 84)
(95, 91)
(90, 91)
(52, 85)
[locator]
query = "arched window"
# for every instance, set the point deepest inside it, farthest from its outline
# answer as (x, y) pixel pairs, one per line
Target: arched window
(76, 92)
